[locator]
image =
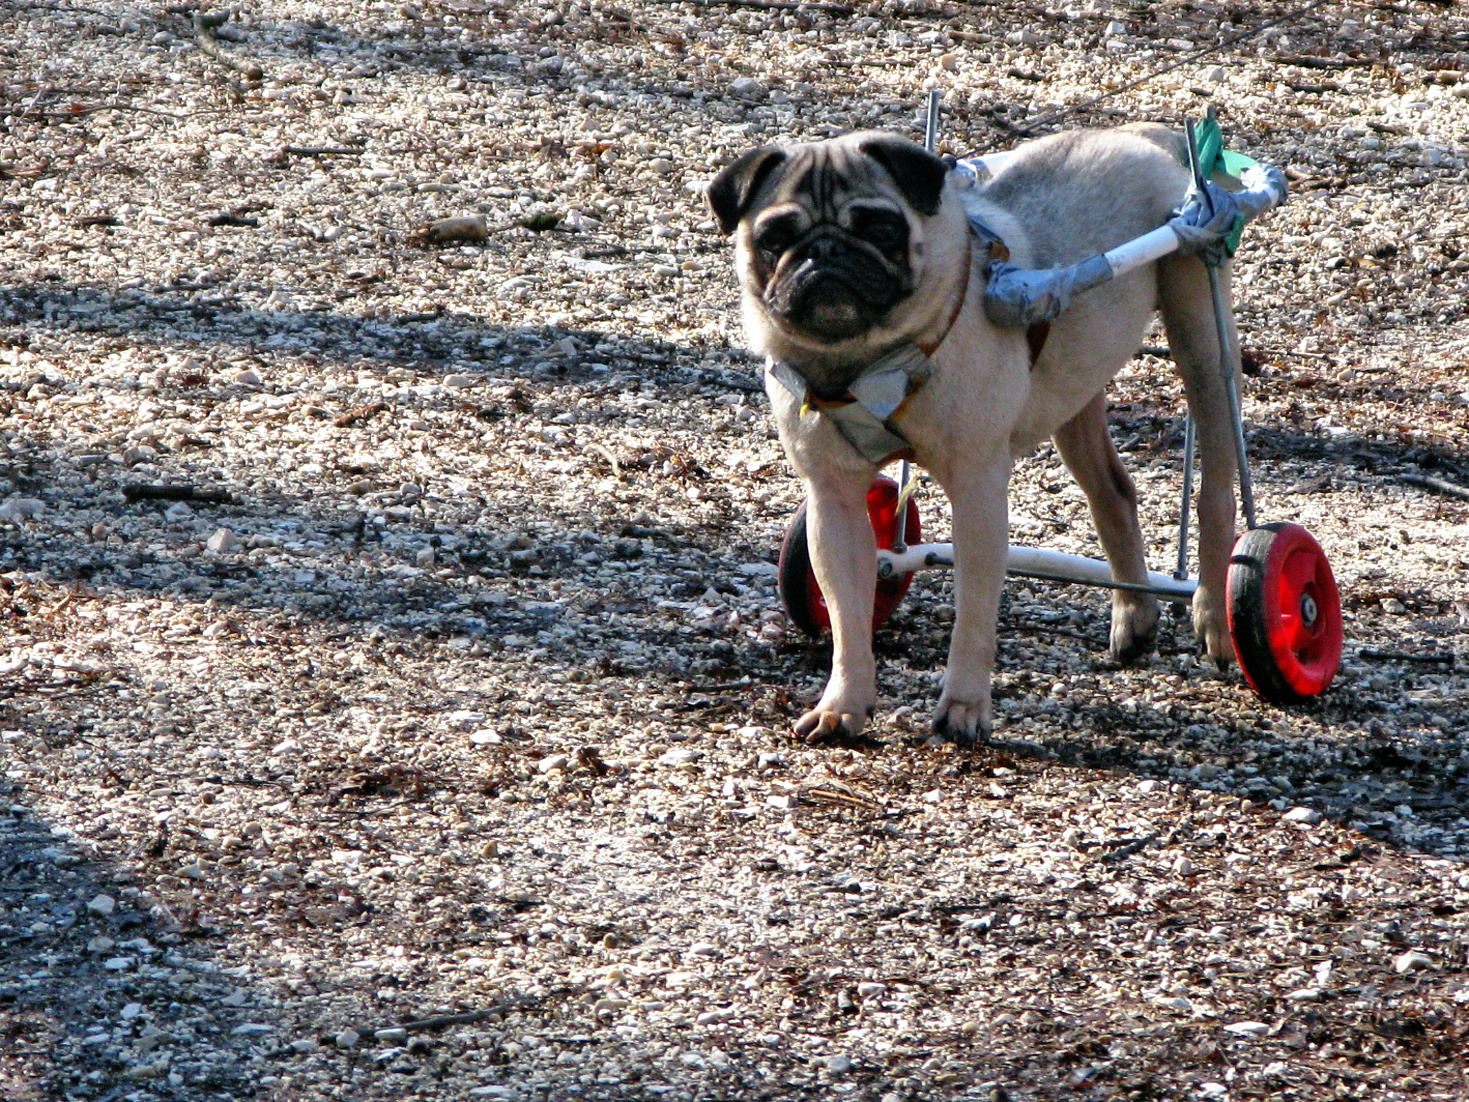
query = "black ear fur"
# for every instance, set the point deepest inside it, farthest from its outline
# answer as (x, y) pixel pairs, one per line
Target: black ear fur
(732, 191)
(918, 173)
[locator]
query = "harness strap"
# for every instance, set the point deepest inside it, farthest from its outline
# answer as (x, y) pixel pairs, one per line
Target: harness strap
(865, 415)
(1035, 335)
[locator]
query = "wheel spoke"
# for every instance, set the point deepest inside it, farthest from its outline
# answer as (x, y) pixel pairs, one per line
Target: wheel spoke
(1293, 628)
(1297, 572)
(1298, 577)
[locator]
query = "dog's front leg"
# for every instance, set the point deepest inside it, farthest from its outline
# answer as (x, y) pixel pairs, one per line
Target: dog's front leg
(981, 526)
(844, 557)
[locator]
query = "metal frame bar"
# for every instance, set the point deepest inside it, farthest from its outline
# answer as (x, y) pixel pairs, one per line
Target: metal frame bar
(1227, 373)
(1190, 441)
(905, 469)
(1037, 562)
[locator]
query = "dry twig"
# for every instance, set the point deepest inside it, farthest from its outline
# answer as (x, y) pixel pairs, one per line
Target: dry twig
(361, 413)
(1446, 658)
(1428, 482)
(166, 492)
(205, 24)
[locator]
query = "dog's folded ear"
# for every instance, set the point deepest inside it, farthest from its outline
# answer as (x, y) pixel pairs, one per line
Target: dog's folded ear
(735, 188)
(918, 173)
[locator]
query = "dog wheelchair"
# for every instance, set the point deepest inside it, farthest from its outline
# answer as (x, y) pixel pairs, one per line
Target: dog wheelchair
(1284, 609)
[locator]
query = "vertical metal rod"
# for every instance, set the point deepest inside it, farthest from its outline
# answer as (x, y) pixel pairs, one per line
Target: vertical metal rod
(905, 469)
(1188, 495)
(900, 537)
(1226, 356)
(1231, 388)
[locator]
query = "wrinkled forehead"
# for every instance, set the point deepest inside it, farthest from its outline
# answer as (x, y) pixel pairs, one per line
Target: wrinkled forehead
(827, 177)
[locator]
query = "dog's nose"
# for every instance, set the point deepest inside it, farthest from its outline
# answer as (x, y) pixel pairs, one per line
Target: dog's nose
(826, 248)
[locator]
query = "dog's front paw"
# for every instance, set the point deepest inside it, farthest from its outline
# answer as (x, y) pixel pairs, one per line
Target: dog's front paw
(1211, 625)
(835, 717)
(966, 721)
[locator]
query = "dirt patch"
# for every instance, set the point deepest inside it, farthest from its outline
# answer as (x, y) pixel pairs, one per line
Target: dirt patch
(388, 628)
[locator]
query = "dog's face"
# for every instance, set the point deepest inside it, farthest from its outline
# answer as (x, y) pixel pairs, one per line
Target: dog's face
(830, 234)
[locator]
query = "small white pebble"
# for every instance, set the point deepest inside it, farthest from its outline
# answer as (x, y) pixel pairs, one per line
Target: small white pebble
(21, 508)
(1412, 961)
(1248, 1029)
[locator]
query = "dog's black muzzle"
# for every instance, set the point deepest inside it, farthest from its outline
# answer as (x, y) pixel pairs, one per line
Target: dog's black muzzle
(833, 289)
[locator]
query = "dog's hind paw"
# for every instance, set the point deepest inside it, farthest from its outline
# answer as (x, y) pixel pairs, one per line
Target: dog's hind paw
(1211, 626)
(965, 722)
(1134, 630)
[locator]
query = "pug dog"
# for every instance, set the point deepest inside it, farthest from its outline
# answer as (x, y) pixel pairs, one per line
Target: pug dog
(848, 249)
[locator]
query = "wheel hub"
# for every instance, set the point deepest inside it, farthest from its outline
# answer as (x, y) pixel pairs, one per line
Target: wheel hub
(1309, 611)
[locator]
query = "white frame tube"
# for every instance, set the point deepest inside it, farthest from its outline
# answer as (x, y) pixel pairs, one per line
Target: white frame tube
(1036, 562)
(1142, 250)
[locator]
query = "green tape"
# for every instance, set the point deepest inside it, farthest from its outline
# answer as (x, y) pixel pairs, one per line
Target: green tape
(1214, 158)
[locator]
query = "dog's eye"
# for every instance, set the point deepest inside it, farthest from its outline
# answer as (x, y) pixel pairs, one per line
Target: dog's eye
(880, 228)
(775, 238)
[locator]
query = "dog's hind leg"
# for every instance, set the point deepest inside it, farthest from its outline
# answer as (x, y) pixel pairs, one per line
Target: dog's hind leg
(1188, 316)
(1088, 451)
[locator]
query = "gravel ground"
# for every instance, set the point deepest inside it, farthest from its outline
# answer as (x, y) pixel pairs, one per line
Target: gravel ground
(436, 747)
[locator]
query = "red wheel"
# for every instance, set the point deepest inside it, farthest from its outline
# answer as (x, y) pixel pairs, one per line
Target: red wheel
(1284, 613)
(799, 591)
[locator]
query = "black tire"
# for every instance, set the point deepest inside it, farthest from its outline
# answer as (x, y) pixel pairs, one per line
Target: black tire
(796, 580)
